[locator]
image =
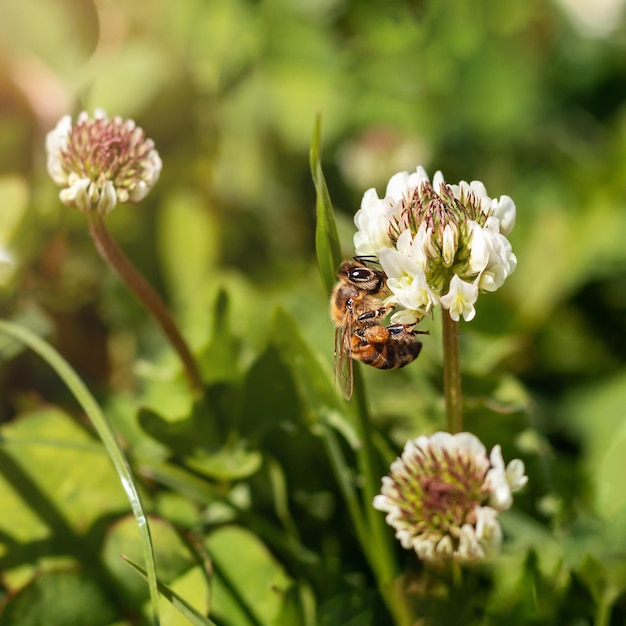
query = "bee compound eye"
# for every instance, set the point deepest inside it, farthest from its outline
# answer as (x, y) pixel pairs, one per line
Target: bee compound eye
(359, 274)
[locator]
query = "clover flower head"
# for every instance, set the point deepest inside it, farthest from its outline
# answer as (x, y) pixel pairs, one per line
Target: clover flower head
(443, 496)
(438, 243)
(100, 161)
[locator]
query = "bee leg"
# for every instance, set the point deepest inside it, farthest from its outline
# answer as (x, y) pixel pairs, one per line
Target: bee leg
(374, 334)
(399, 329)
(396, 329)
(372, 315)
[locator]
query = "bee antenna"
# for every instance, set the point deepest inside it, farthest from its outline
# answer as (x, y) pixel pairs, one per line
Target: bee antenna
(368, 258)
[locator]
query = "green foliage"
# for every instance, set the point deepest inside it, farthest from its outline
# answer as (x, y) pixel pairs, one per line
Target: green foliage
(59, 598)
(258, 493)
(186, 614)
(326, 236)
(103, 428)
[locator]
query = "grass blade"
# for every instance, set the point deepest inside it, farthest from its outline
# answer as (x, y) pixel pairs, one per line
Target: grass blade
(90, 406)
(327, 244)
(194, 617)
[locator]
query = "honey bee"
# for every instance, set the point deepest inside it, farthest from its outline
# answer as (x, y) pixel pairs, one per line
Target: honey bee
(357, 308)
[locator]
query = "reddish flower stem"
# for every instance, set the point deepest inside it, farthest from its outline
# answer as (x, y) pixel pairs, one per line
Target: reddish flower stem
(114, 257)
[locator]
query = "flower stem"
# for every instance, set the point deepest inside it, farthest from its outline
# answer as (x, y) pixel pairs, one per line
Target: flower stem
(381, 548)
(452, 373)
(605, 607)
(113, 256)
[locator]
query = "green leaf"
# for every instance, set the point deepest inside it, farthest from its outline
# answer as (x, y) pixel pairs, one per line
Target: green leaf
(348, 609)
(249, 584)
(606, 580)
(60, 598)
(327, 243)
(596, 413)
(313, 383)
(220, 360)
(165, 391)
(182, 481)
(182, 436)
(270, 397)
(202, 448)
(43, 458)
(231, 463)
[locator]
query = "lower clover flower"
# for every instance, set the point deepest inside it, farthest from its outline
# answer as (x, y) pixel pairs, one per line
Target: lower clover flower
(100, 162)
(444, 493)
(438, 243)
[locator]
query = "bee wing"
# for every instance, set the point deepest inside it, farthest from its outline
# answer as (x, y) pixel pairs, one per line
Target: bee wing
(343, 360)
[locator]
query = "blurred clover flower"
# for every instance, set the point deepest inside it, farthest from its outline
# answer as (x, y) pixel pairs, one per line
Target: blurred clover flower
(6, 266)
(438, 243)
(444, 493)
(100, 162)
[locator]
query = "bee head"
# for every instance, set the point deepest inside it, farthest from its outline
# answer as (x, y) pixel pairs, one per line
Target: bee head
(361, 276)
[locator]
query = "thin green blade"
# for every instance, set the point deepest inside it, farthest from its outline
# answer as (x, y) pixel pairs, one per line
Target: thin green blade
(327, 244)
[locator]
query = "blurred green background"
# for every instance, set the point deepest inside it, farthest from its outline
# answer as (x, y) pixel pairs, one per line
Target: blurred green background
(528, 97)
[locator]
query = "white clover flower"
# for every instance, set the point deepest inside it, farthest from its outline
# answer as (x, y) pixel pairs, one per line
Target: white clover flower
(455, 237)
(460, 299)
(503, 482)
(371, 221)
(443, 496)
(100, 162)
(408, 285)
